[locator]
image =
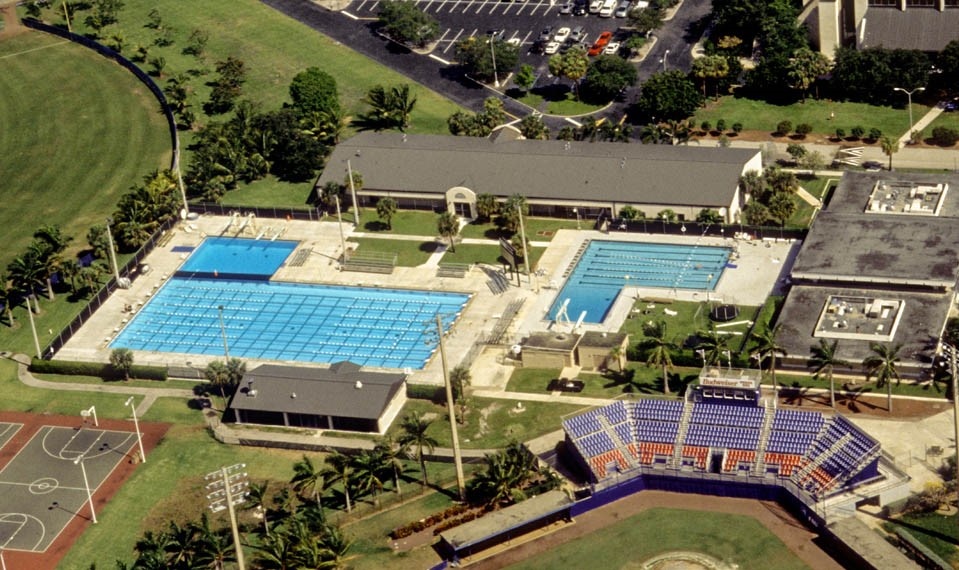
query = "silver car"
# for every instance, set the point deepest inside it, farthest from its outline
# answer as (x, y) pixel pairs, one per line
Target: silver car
(622, 10)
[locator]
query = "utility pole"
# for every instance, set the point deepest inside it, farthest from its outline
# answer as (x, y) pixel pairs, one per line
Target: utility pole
(356, 205)
(522, 236)
(457, 457)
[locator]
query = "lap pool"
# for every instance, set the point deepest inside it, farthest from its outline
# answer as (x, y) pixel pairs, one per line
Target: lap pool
(605, 267)
(268, 320)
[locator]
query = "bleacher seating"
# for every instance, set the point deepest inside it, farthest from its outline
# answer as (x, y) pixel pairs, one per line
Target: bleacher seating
(735, 457)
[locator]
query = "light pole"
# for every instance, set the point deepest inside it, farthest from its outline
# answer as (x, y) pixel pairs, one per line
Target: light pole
(664, 222)
(457, 457)
(226, 347)
(951, 352)
(522, 236)
(492, 51)
(909, 97)
(729, 359)
(3, 565)
(663, 61)
(113, 255)
(339, 224)
(86, 483)
(228, 486)
(33, 327)
(356, 205)
(136, 424)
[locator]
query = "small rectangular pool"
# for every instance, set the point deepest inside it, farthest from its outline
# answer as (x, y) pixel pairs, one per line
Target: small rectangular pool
(605, 267)
(226, 257)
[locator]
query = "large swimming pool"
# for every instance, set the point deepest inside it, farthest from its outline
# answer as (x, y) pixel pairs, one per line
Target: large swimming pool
(270, 320)
(605, 267)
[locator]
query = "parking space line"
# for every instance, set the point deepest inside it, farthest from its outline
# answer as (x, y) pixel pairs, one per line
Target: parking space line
(521, 7)
(473, 33)
(348, 15)
(467, 7)
(439, 59)
(453, 41)
(443, 36)
(375, 6)
(481, 6)
(537, 7)
(360, 7)
(526, 37)
(493, 7)
(427, 7)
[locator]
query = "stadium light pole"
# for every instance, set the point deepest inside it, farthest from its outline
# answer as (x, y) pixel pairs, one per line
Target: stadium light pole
(33, 327)
(522, 235)
(228, 485)
(226, 347)
(136, 425)
(951, 353)
(909, 97)
(339, 224)
(86, 483)
(492, 51)
(457, 456)
(113, 255)
(356, 205)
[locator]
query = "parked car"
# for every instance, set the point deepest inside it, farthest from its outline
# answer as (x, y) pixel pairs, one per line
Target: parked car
(551, 48)
(600, 44)
(609, 6)
(566, 9)
(595, 6)
(622, 10)
(577, 34)
(872, 166)
(562, 35)
(580, 8)
(612, 48)
(546, 34)
(566, 385)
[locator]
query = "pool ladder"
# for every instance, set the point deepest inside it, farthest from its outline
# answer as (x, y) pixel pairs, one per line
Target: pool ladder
(579, 254)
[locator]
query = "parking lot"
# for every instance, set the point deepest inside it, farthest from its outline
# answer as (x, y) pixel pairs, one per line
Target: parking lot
(520, 22)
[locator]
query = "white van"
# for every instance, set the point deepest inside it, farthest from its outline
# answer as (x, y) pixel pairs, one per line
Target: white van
(609, 6)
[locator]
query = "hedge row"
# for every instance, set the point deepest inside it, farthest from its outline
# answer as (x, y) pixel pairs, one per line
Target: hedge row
(435, 394)
(451, 523)
(105, 371)
(423, 524)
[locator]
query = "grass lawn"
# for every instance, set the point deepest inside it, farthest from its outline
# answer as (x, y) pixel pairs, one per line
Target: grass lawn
(937, 532)
(761, 116)
(66, 379)
(570, 106)
(404, 222)
(537, 229)
(949, 120)
(269, 193)
(905, 388)
(69, 154)
(490, 423)
(692, 317)
(408, 253)
(641, 380)
(738, 541)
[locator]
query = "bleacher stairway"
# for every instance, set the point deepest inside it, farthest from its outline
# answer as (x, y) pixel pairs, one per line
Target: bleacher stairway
(759, 467)
(681, 434)
(811, 466)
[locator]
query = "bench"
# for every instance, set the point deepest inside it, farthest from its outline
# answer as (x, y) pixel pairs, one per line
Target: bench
(458, 270)
(373, 262)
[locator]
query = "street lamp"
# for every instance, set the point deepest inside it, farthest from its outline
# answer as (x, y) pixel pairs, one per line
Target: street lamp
(909, 97)
(492, 51)
(664, 217)
(226, 347)
(136, 424)
(951, 352)
(339, 224)
(522, 235)
(228, 485)
(86, 483)
(729, 358)
(113, 255)
(663, 60)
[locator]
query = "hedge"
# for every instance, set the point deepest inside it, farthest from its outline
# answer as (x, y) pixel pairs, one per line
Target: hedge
(98, 369)
(431, 392)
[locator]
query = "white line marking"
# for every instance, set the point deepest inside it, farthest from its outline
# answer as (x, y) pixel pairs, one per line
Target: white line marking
(453, 41)
(577, 123)
(443, 36)
(348, 15)
(34, 49)
(441, 60)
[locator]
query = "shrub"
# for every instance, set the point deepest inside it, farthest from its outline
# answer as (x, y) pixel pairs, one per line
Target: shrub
(803, 129)
(857, 132)
(435, 394)
(721, 125)
(100, 370)
(840, 134)
(875, 134)
(784, 128)
(944, 136)
(737, 128)
(706, 126)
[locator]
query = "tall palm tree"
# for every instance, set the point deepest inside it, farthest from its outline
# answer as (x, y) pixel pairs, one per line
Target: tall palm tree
(890, 146)
(213, 547)
(386, 209)
(460, 378)
(368, 469)
(415, 437)
(825, 358)
(179, 547)
(218, 377)
(340, 469)
(882, 365)
(448, 226)
(768, 347)
(337, 545)
(307, 478)
(7, 298)
(392, 455)
(486, 206)
(256, 495)
(713, 346)
(27, 273)
(277, 551)
(659, 345)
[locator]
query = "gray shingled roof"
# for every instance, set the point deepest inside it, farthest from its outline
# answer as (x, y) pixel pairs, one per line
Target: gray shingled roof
(504, 520)
(543, 170)
(925, 29)
(319, 391)
(847, 243)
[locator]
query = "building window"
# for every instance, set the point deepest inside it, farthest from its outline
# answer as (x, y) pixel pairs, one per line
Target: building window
(891, 3)
(921, 3)
(952, 3)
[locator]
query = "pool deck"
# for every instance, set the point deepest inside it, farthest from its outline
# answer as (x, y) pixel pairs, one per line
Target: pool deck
(760, 269)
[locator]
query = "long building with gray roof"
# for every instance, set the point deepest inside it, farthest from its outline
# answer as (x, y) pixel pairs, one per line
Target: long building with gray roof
(557, 178)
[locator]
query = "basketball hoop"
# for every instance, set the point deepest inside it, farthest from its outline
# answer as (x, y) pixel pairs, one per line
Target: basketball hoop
(85, 414)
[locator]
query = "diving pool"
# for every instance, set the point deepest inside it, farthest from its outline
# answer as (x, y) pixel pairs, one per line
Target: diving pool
(250, 258)
(270, 320)
(605, 267)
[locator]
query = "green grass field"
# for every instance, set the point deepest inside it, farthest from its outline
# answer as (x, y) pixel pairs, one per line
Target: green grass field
(738, 541)
(69, 154)
(761, 116)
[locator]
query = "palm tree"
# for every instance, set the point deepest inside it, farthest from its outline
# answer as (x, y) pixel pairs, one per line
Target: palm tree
(27, 273)
(256, 500)
(121, 360)
(514, 206)
(7, 298)
(486, 206)
(713, 346)
(213, 547)
(336, 544)
(368, 468)
(276, 551)
(390, 108)
(448, 226)
(825, 358)
(659, 346)
(386, 209)
(415, 437)
(218, 376)
(392, 455)
(340, 468)
(890, 146)
(308, 479)
(505, 474)
(882, 365)
(179, 547)
(768, 347)
(460, 378)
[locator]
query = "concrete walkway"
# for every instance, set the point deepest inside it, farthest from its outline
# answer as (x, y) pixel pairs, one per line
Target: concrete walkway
(922, 123)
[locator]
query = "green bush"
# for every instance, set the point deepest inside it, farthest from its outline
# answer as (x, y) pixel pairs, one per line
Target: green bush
(737, 128)
(98, 369)
(840, 134)
(857, 132)
(705, 126)
(944, 136)
(721, 125)
(875, 134)
(784, 128)
(435, 394)
(803, 129)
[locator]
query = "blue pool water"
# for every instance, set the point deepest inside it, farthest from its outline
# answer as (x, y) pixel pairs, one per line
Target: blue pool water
(237, 256)
(605, 267)
(268, 320)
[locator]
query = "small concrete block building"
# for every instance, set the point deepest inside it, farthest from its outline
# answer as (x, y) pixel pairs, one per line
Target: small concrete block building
(342, 397)
(592, 350)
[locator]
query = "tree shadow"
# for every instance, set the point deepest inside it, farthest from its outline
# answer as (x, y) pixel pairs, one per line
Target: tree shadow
(375, 226)
(554, 92)
(430, 246)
